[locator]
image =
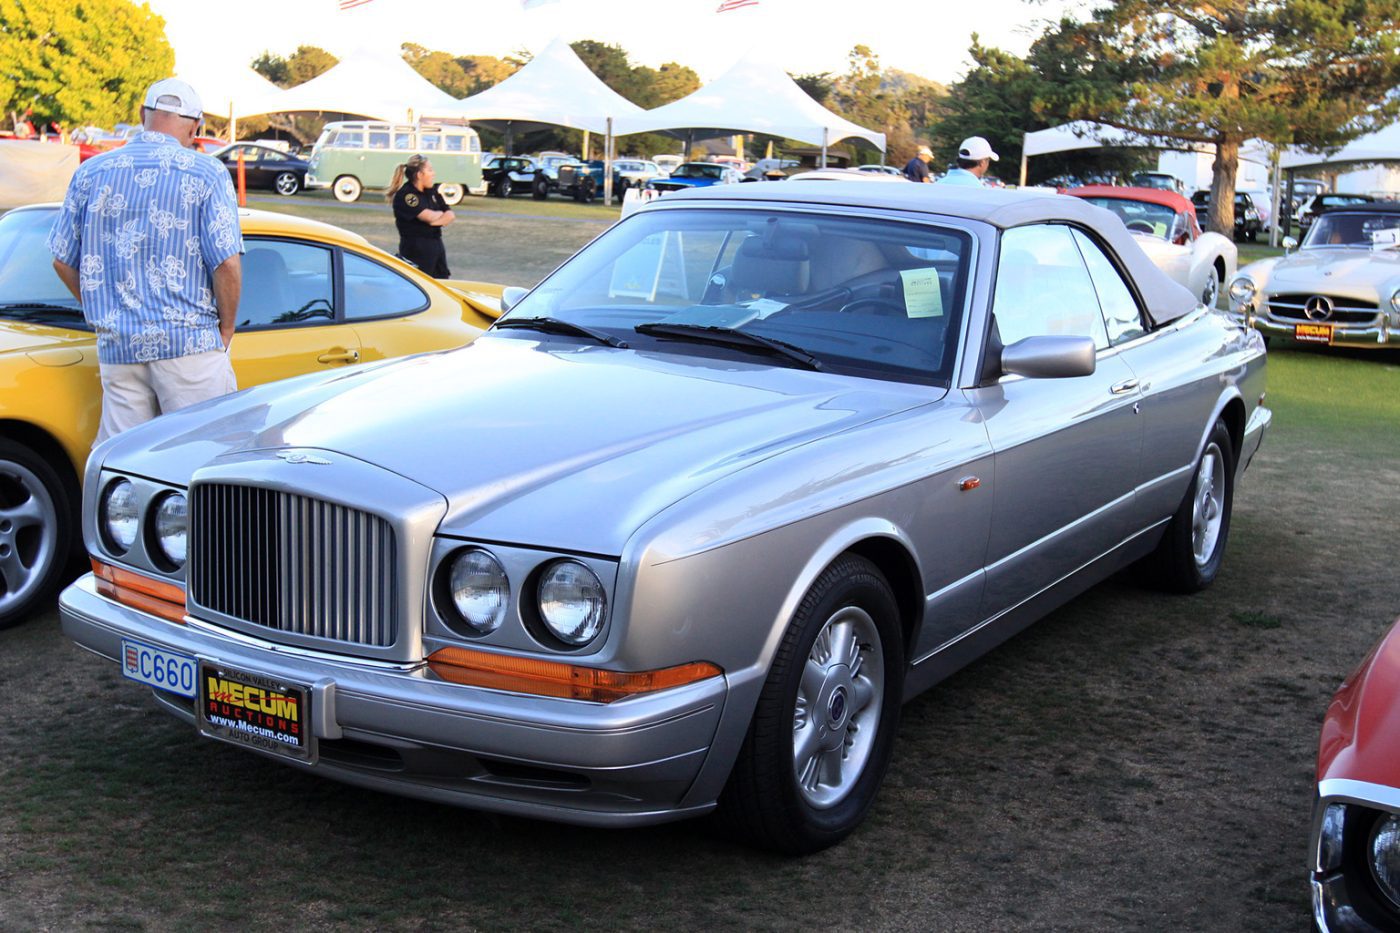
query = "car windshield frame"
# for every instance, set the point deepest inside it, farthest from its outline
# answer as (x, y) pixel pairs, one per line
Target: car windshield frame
(1176, 227)
(699, 170)
(870, 323)
(55, 307)
(1329, 223)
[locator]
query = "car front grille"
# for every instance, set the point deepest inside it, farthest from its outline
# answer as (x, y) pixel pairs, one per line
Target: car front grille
(566, 175)
(294, 564)
(1344, 310)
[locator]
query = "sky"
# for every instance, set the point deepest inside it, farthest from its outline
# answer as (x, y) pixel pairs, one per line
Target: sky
(801, 36)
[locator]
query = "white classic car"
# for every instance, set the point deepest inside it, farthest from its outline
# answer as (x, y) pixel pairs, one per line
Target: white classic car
(1165, 226)
(1342, 288)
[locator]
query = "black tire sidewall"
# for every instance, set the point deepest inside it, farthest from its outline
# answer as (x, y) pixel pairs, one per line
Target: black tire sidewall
(65, 501)
(1204, 576)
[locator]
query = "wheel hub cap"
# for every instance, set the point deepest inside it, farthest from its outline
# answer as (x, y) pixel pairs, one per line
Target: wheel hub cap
(27, 522)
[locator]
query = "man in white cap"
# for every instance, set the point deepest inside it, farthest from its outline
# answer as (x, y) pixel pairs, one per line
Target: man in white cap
(916, 169)
(148, 242)
(975, 156)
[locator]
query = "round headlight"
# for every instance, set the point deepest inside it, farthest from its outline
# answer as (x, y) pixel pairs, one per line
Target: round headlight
(118, 516)
(1384, 850)
(572, 602)
(1242, 289)
(171, 527)
(480, 590)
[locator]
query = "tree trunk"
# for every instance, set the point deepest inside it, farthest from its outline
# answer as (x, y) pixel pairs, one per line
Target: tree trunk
(1222, 186)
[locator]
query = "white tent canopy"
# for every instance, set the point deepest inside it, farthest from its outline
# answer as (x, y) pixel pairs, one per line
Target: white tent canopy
(751, 97)
(1380, 146)
(555, 89)
(1071, 137)
(226, 90)
(375, 84)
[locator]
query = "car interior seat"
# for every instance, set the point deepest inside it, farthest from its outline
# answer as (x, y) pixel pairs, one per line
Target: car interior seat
(265, 299)
(765, 267)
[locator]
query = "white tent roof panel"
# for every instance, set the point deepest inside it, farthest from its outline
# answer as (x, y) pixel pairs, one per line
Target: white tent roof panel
(375, 84)
(1380, 146)
(555, 88)
(752, 97)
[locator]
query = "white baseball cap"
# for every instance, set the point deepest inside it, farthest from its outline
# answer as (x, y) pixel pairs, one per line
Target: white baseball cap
(975, 149)
(174, 96)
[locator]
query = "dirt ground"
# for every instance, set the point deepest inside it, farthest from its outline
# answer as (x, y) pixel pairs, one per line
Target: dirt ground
(1132, 762)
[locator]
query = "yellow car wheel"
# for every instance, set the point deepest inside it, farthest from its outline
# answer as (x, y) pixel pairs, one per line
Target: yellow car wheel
(37, 521)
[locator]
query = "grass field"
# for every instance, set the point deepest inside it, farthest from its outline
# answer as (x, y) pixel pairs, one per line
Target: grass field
(1133, 762)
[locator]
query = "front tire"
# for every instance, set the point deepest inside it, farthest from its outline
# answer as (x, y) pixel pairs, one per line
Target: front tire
(38, 517)
(823, 731)
(451, 194)
(1189, 556)
(286, 184)
(1210, 295)
(347, 189)
(540, 189)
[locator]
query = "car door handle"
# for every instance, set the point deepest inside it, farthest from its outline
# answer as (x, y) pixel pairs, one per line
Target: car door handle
(1127, 385)
(339, 356)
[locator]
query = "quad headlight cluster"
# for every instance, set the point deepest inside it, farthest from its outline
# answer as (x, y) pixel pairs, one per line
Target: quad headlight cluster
(562, 600)
(122, 518)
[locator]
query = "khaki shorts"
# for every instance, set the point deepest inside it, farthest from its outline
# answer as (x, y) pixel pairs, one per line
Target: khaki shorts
(134, 393)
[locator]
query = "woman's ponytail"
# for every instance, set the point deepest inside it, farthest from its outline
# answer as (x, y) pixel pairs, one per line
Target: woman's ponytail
(406, 171)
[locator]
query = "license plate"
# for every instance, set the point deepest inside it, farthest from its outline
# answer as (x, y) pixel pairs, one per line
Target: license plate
(164, 670)
(255, 711)
(1312, 333)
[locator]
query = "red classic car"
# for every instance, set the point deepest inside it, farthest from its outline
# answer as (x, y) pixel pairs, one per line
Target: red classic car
(1355, 848)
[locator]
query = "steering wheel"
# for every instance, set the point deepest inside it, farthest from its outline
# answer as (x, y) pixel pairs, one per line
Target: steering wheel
(883, 306)
(1142, 226)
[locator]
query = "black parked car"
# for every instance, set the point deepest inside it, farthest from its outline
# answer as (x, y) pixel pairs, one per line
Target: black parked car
(1247, 220)
(1318, 203)
(265, 167)
(508, 175)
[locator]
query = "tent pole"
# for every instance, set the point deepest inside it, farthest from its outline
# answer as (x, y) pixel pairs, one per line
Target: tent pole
(1024, 159)
(1277, 158)
(607, 165)
(825, 134)
(510, 138)
(585, 145)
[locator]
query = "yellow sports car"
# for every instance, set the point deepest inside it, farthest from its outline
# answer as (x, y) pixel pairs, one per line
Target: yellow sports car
(314, 296)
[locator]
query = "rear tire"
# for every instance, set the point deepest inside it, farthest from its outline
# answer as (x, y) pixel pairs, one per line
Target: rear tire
(38, 520)
(451, 194)
(504, 187)
(540, 189)
(286, 184)
(1189, 556)
(823, 731)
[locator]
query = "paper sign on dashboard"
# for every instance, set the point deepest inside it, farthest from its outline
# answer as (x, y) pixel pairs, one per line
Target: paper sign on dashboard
(922, 296)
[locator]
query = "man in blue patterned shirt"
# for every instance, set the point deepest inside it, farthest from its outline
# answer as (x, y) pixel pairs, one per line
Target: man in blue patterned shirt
(148, 242)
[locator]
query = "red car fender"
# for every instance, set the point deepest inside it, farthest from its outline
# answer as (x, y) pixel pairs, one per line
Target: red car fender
(1362, 724)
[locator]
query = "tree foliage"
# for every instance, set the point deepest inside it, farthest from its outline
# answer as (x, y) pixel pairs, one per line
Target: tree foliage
(1000, 99)
(307, 62)
(79, 62)
(1314, 72)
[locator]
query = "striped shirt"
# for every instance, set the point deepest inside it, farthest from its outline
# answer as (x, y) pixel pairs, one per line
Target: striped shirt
(145, 226)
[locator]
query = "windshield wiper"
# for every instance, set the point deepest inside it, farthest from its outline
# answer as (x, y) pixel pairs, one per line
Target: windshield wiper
(554, 325)
(36, 310)
(731, 337)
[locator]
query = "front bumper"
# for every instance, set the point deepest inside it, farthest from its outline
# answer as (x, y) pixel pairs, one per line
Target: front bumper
(1375, 335)
(313, 182)
(401, 730)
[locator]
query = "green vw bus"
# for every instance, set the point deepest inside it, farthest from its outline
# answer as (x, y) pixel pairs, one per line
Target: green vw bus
(352, 156)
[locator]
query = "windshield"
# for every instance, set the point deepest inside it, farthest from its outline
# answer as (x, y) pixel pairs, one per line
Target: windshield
(697, 170)
(1145, 217)
(27, 278)
(1349, 228)
(862, 296)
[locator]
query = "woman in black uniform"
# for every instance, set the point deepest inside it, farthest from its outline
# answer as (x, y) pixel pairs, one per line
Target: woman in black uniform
(420, 213)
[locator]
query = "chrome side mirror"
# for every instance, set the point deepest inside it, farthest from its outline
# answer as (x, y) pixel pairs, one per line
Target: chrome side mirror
(511, 296)
(1050, 357)
(1289, 244)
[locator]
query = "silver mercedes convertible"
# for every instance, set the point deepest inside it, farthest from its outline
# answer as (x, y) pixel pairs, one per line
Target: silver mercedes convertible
(684, 530)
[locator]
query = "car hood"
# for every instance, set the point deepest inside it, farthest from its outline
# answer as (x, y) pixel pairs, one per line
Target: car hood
(533, 443)
(1359, 732)
(1352, 269)
(19, 337)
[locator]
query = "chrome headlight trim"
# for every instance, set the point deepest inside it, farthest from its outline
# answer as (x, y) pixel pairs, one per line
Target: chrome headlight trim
(478, 589)
(118, 517)
(571, 602)
(1242, 290)
(1383, 856)
(169, 528)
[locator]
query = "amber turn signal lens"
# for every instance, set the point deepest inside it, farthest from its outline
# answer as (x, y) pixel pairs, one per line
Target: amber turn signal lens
(558, 679)
(157, 597)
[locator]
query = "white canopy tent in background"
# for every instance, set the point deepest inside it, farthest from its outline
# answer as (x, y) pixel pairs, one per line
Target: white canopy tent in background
(554, 89)
(228, 91)
(1380, 146)
(1071, 137)
(372, 83)
(751, 97)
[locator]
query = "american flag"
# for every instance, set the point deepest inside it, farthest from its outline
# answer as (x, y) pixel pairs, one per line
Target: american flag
(728, 5)
(351, 4)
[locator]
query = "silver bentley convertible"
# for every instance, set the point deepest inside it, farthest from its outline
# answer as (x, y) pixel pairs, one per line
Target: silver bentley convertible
(684, 530)
(1341, 288)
